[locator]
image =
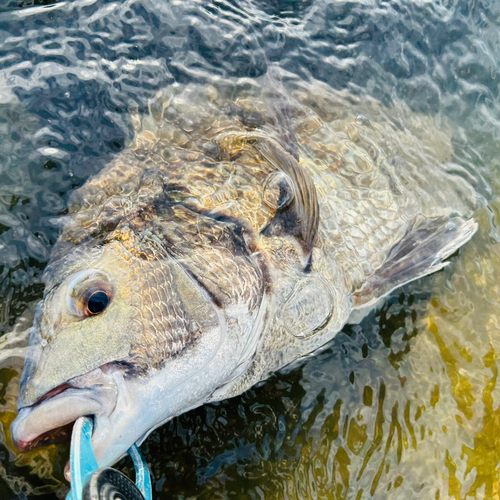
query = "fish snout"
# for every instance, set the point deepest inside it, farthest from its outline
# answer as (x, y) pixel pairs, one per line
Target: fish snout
(50, 419)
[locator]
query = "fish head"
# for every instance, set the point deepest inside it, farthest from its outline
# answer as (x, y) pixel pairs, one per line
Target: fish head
(155, 302)
(133, 335)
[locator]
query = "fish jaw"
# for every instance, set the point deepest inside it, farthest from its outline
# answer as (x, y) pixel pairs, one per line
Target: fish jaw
(95, 394)
(104, 394)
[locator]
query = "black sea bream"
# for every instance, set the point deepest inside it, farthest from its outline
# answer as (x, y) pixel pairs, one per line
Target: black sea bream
(245, 225)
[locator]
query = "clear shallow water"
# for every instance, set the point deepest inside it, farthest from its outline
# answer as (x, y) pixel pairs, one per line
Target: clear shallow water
(404, 405)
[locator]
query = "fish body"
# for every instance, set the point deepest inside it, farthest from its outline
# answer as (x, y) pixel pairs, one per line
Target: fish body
(240, 231)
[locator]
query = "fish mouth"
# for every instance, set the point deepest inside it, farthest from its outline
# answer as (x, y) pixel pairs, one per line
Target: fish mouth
(50, 420)
(60, 435)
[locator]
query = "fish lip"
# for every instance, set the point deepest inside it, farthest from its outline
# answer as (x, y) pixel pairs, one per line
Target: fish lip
(50, 394)
(57, 410)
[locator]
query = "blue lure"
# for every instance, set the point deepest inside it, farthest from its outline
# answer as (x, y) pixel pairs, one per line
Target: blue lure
(83, 464)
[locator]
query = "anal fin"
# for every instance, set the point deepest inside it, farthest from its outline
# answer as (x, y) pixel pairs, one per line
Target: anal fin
(420, 252)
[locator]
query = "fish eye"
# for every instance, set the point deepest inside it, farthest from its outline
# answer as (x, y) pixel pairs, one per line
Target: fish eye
(96, 303)
(89, 293)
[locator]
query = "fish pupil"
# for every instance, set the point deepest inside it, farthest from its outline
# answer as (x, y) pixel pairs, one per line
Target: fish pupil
(98, 301)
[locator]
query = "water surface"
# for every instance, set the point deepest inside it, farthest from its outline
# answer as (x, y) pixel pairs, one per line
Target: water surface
(403, 405)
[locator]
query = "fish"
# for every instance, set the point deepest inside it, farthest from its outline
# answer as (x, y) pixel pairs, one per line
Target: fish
(245, 224)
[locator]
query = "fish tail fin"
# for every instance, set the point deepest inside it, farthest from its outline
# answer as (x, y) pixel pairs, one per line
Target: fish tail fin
(420, 252)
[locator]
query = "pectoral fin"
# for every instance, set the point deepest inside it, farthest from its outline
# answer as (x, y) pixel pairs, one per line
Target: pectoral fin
(289, 190)
(422, 251)
(300, 216)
